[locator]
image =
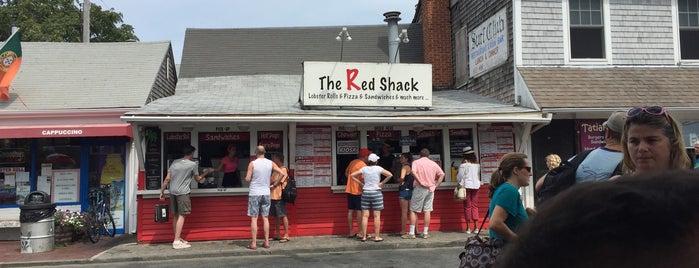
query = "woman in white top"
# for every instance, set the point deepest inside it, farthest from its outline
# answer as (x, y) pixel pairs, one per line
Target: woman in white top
(372, 198)
(469, 177)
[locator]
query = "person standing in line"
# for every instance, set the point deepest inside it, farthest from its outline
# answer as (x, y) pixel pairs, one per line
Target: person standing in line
(601, 164)
(507, 212)
(652, 141)
(428, 176)
(278, 207)
(229, 165)
(354, 192)
(468, 176)
(552, 161)
(259, 175)
(178, 178)
(372, 198)
(405, 189)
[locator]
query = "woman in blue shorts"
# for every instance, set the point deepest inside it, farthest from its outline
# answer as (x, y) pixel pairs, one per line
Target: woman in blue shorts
(405, 190)
(372, 198)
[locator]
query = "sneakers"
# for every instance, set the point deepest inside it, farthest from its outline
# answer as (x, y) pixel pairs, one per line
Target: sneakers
(425, 236)
(180, 244)
(408, 236)
(468, 231)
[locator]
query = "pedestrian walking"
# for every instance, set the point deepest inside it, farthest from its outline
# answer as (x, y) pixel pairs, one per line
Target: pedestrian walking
(507, 212)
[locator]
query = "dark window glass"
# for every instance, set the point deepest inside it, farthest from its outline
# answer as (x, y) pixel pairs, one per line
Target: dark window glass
(587, 43)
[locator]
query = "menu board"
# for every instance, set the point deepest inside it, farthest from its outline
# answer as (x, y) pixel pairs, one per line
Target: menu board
(313, 156)
(153, 161)
(494, 142)
(458, 139)
(66, 185)
(591, 134)
(271, 140)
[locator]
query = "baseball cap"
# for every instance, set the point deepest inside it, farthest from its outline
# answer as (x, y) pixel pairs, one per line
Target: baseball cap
(616, 121)
(364, 152)
(373, 158)
(468, 150)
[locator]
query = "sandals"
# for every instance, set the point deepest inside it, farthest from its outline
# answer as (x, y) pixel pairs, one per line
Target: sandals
(251, 247)
(378, 239)
(284, 240)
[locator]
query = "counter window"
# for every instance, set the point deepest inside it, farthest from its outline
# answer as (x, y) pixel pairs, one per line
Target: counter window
(386, 144)
(213, 147)
(347, 150)
(430, 139)
(173, 144)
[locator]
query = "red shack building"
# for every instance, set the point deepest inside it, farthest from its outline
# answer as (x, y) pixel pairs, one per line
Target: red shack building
(286, 88)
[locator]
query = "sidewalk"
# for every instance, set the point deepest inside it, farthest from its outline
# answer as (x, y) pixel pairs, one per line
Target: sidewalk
(125, 249)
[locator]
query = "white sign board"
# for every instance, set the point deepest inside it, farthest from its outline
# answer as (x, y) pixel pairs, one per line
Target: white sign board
(367, 84)
(487, 44)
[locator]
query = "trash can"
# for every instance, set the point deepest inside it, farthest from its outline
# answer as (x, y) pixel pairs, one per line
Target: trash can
(36, 223)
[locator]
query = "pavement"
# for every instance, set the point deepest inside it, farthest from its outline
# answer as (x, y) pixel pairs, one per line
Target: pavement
(125, 248)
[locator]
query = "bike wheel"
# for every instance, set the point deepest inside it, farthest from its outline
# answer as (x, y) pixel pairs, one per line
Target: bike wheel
(108, 223)
(92, 228)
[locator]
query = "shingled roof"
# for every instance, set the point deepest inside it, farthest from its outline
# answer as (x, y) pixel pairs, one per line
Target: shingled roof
(566, 87)
(280, 51)
(86, 75)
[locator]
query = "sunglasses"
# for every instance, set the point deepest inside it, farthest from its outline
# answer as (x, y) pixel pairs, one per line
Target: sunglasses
(529, 169)
(652, 110)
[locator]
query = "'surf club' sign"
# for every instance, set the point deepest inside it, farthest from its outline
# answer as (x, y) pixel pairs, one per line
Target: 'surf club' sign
(367, 84)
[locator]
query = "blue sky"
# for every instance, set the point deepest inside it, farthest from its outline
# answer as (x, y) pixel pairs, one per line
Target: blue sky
(158, 20)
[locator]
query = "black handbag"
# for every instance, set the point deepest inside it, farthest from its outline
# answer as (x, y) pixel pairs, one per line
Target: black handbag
(479, 251)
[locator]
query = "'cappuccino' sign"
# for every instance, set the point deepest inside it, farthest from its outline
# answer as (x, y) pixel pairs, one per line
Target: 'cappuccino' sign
(487, 44)
(367, 84)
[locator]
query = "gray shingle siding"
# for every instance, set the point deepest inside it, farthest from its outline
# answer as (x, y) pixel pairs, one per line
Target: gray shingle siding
(498, 83)
(542, 32)
(166, 81)
(641, 32)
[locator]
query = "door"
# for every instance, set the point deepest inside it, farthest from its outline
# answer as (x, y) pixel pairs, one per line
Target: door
(107, 166)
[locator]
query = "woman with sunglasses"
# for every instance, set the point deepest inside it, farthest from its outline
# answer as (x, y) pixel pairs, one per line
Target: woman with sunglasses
(507, 212)
(652, 141)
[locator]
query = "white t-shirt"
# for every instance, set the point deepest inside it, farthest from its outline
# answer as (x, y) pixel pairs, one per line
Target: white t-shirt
(468, 175)
(372, 177)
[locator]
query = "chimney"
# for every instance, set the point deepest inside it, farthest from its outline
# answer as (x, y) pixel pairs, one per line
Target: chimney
(436, 31)
(392, 17)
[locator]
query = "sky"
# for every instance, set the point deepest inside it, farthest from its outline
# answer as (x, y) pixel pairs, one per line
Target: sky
(167, 20)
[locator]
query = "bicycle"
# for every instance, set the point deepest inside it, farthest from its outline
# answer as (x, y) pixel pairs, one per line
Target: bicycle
(100, 221)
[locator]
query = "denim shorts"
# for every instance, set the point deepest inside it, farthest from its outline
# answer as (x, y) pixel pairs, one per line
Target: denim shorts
(405, 194)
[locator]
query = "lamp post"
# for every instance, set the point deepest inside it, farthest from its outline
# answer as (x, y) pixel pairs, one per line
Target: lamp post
(342, 37)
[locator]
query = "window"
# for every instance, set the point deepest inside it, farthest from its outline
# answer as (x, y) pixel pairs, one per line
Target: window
(689, 28)
(15, 164)
(586, 29)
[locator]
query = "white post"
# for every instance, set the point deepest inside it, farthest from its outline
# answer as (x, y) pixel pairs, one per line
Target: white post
(86, 21)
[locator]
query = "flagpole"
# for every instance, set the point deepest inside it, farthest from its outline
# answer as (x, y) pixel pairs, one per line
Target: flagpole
(14, 29)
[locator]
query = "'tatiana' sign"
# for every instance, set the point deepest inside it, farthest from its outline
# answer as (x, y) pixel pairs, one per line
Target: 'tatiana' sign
(367, 84)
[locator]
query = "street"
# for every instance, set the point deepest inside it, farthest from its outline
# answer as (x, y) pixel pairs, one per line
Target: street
(433, 257)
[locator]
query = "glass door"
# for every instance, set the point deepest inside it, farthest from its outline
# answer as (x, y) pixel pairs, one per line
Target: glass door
(107, 167)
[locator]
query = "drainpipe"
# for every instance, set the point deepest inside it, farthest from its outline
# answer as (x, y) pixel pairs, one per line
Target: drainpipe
(392, 17)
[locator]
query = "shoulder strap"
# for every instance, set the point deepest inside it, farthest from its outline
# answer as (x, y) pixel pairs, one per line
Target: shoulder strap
(483, 222)
(617, 169)
(579, 158)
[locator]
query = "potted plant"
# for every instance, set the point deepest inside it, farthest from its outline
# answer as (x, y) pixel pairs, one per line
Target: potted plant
(69, 226)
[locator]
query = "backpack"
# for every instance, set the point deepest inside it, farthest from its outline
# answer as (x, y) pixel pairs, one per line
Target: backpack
(560, 178)
(289, 191)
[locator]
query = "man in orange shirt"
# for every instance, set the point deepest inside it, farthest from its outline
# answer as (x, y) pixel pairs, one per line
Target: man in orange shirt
(278, 206)
(354, 192)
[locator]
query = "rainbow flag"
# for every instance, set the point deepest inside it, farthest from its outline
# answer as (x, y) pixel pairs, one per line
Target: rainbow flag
(10, 59)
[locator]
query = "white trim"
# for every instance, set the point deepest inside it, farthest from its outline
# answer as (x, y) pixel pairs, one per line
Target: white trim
(607, 37)
(517, 32)
(534, 117)
(676, 31)
(521, 88)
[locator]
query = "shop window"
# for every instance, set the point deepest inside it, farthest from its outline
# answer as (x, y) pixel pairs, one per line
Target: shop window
(586, 29)
(15, 164)
(689, 28)
(59, 173)
(273, 141)
(458, 139)
(214, 145)
(347, 150)
(173, 143)
(386, 144)
(430, 139)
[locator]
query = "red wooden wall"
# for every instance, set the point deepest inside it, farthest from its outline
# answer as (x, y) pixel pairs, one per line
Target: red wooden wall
(317, 211)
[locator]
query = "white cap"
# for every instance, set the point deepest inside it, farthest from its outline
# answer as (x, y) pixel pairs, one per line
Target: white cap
(373, 158)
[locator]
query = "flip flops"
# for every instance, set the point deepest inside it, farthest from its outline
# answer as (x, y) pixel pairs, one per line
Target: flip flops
(284, 240)
(378, 239)
(251, 247)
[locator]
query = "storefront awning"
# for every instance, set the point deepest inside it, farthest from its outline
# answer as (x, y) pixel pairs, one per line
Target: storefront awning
(65, 131)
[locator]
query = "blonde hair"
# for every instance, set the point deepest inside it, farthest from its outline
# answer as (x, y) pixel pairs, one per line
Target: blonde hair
(678, 156)
(555, 160)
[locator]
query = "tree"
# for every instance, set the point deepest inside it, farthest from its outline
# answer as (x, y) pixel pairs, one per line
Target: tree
(61, 21)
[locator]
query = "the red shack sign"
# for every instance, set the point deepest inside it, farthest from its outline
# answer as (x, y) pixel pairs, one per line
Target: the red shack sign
(367, 84)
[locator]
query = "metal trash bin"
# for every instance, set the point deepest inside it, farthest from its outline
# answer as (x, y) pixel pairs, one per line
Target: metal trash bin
(36, 224)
